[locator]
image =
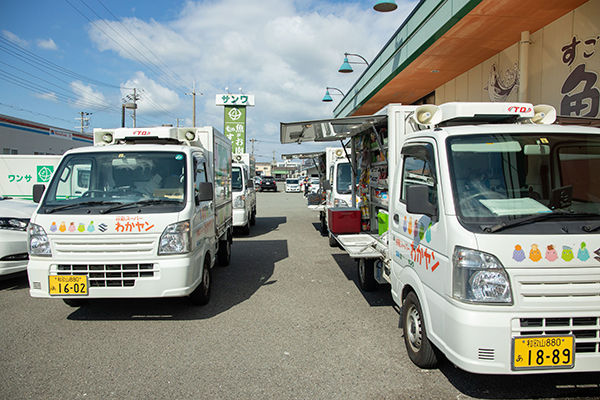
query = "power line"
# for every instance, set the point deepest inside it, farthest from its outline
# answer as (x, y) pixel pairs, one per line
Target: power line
(146, 47)
(118, 44)
(32, 59)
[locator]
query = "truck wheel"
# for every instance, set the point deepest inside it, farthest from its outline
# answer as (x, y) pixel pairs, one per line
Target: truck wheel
(224, 252)
(366, 274)
(201, 295)
(419, 348)
(324, 229)
(246, 228)
(333, 241)
(253, 218)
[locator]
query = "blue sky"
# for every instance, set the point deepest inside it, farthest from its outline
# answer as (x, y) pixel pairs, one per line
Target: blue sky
(61, 57)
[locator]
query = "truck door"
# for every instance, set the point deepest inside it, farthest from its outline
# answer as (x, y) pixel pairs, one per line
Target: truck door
(418, 239)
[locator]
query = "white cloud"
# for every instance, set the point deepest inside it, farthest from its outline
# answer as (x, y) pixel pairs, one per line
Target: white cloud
(155, 99)
(14, 38)
(51, 96)
(285, 52)
(87, 96)
(47, 44)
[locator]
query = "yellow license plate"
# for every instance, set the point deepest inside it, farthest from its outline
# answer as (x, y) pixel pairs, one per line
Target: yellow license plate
(72, 285)
(543, 352)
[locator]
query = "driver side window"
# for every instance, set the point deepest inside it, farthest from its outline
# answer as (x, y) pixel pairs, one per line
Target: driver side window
(418, 169)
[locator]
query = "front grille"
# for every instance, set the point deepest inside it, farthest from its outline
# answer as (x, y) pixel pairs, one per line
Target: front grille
(109, 275)
(585, 329)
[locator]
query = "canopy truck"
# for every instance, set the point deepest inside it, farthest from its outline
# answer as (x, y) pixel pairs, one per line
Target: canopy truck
(336, 177)
(154, 217)
(18, 173)
(244, 194)
(484, 220)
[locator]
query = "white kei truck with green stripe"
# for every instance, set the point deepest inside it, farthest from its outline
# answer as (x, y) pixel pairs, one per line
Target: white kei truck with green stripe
(19, 172)
(149, 215)
(484, 219)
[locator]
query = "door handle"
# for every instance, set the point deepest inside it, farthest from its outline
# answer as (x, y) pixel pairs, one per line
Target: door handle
(396, 218)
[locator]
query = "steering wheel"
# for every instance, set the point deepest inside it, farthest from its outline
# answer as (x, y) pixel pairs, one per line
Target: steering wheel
(90, 192)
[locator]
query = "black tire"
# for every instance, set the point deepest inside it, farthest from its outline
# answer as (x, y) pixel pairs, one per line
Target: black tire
(419, 348)
(246, 229)
(201, 295)
(74, 302)
(324, 229)
(253, 218)
(224, 252)
(333, 241)
(366, 274)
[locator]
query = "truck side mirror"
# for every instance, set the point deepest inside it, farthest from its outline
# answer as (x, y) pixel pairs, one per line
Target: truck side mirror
(417, 201)
(204, 192)
(326, 185)
(38, 192)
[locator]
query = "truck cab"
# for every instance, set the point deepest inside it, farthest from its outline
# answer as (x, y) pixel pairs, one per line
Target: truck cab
(244, 193)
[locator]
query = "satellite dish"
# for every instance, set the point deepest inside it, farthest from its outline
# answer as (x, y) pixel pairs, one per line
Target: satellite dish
(544, 114)
(427, 115)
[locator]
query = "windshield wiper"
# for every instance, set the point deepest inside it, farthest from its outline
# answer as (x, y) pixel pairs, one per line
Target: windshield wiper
(141, 203)
(85, 203)
(537, 218)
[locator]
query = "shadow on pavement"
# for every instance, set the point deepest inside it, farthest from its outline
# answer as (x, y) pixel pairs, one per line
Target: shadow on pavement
(379, 297)
(16, 281)
(555, 386)
(232, 285)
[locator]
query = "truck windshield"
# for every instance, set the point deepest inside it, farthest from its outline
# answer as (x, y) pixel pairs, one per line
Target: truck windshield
(501, 178)
(344, 178)
(105, 179)
(236, 179)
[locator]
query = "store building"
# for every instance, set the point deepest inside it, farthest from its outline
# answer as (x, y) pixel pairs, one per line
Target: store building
(535, 51)
(19, 136)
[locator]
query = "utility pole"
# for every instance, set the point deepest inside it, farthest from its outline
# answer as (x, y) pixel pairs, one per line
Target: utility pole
(132, 99)
(193, 94)
(252, 141)
(84, 117)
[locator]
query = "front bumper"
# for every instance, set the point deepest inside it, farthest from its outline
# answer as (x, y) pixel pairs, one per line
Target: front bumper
(240, 217)
(13, 251)
(164, 277)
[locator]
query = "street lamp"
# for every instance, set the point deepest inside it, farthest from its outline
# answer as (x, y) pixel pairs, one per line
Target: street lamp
(385, 5)
(346, 67)
(327, 98)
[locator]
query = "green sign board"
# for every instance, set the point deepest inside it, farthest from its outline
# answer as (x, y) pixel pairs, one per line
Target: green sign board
(235, 127)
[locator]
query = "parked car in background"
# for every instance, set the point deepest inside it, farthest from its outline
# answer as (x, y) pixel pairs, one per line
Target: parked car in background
(14, 218)
(314, 185)
(267, 183)
(292, 185)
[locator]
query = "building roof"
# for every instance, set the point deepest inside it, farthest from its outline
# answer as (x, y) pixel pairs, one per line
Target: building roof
(440, 40)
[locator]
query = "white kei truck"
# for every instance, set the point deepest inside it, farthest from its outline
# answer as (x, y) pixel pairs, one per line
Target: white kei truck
(484, 219)
(244, 194)
(19, 172)
(154, 218)
(336, 177)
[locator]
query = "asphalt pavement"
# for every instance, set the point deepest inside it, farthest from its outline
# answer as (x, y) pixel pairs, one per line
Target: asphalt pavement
(286, 320)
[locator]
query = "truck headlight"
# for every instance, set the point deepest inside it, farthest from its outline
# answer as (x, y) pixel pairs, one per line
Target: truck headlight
(37, 241)
(14, 224)
(175, 239)
(479, 278)
(239, 202)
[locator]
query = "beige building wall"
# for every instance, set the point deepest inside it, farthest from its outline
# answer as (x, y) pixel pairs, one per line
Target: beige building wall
(564, 68)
